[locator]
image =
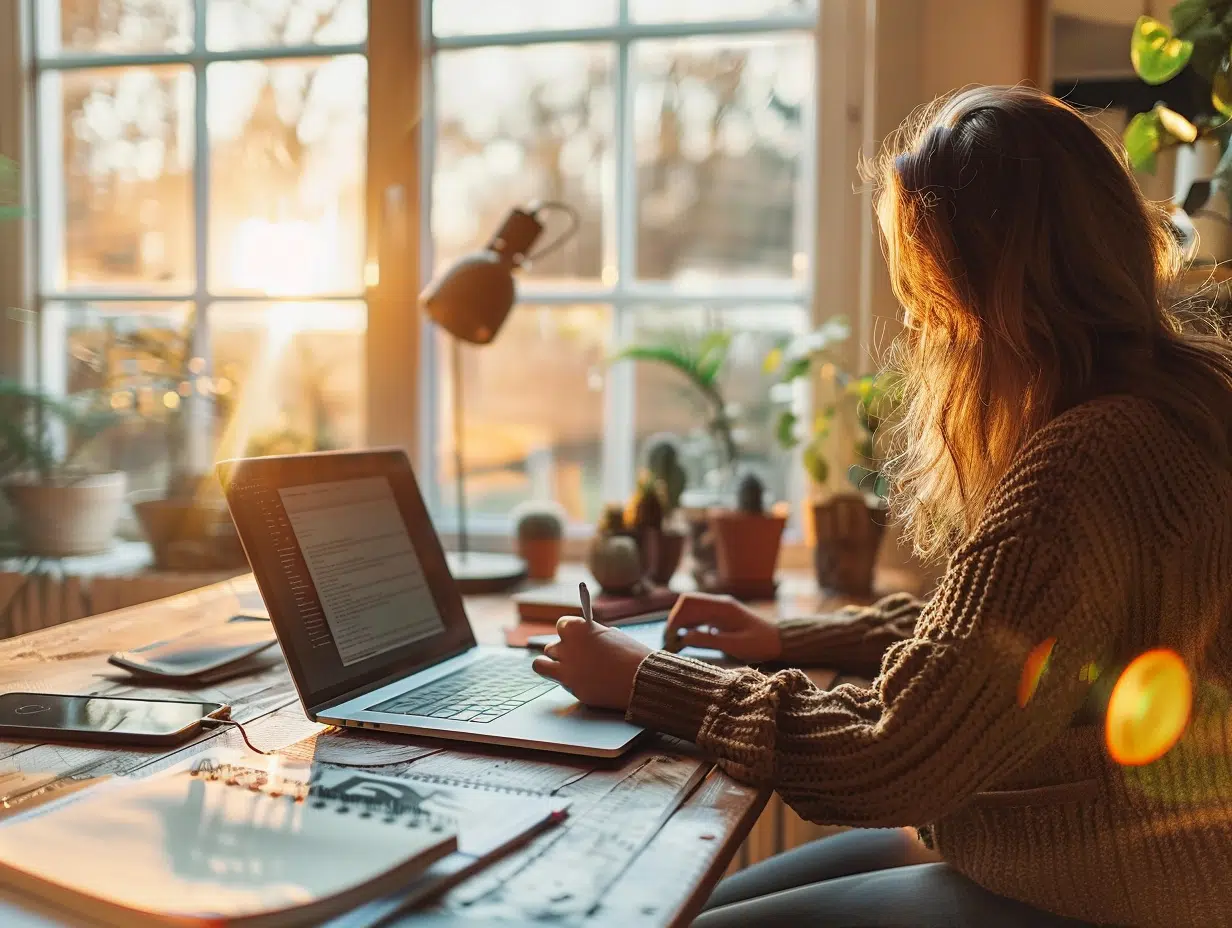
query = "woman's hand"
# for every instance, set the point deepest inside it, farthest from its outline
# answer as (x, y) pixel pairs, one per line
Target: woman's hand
(595, 663)
(720, 622)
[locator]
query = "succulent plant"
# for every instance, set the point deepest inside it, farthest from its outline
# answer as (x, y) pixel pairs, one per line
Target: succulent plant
(616, 564)
(646, 508)
(750, 495)
(612, 522)
(539, 522)
(663, 462)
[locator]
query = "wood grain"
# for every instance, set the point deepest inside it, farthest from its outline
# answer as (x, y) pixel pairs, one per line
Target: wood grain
(647, 837)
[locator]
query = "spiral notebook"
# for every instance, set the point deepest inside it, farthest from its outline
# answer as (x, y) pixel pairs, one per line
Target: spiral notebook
(227, 839)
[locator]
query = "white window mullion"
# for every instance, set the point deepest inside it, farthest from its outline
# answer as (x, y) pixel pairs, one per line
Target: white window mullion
(619, 399)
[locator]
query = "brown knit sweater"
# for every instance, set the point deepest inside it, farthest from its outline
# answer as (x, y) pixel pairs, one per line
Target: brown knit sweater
(1113, 533)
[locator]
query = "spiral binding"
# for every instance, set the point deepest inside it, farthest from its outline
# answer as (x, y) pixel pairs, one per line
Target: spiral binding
(376, 805)
(251, 778)
(456, 783)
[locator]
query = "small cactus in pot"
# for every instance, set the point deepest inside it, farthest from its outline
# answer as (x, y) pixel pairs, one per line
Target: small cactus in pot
(539, 529)
(662, 549)
(747, 541)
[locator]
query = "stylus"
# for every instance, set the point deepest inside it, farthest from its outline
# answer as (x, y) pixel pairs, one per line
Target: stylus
(584, 594)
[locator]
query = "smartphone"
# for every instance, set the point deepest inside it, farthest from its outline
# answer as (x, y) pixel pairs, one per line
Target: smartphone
(204, 653)
(103, 719)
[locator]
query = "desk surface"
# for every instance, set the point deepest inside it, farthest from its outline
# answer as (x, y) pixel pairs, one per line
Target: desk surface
(639, 847)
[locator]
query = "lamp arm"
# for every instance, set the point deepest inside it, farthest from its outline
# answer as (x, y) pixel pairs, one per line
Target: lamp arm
(575, 223)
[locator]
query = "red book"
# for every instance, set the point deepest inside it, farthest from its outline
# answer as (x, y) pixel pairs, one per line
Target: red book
(549, 603)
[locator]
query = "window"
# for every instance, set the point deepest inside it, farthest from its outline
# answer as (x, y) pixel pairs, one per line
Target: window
(201, 222)
(683, 134)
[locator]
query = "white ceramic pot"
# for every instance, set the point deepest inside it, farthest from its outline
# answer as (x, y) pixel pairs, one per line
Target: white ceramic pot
(68, 514)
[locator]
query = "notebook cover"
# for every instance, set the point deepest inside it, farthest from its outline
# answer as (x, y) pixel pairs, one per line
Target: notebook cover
(215, 841)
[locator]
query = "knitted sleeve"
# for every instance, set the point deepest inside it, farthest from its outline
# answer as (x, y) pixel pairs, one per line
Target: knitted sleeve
(943, 719)
(852, 640)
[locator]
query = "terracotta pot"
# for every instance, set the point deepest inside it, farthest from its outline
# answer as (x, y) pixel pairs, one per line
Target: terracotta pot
(701, 548)
(848, 538)
(746, 545)
(188, 534)
(667, 553)
(542, 557)
(68, 514)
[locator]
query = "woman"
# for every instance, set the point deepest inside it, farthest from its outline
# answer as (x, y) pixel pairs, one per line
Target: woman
(1068, 447)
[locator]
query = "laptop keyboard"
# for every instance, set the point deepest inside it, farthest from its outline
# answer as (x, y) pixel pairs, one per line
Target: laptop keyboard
(482, 692)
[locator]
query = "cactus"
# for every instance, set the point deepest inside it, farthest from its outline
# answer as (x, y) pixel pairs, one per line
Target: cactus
(663, 462)
(535, 522)
(616, 564)
(612, 522)
(646, 508)
(750, 495)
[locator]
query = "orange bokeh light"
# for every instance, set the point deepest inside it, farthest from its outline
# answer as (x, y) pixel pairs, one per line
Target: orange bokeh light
(1033, 670)
(1149, 708)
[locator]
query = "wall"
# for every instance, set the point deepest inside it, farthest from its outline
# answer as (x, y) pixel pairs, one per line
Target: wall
(971, 42)
(926, 48)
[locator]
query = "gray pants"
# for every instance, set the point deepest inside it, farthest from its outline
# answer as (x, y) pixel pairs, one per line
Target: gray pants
(867, 878)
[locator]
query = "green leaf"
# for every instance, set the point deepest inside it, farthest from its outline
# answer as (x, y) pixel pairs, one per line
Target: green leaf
(711, 356)
(1221, 90)
(1143, 138)
(1190, 15)
(1157, 55)
(785, 429)
(796, 368)
(1176, 125)
(815, 463)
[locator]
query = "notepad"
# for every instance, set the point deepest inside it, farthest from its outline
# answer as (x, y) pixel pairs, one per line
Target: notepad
(227, 840)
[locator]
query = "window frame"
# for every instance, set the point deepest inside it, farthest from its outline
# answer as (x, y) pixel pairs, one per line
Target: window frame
(628, 292)
(844, 257)
(48, 228)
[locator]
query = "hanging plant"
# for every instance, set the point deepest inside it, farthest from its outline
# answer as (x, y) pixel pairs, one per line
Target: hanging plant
(1199, 40)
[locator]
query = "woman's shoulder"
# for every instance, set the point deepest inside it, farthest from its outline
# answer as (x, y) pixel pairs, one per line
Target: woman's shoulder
(1114, 422)
(1108, 437)
(1109, 459)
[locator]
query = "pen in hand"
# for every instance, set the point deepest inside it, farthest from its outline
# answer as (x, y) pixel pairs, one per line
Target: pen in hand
(584, 595)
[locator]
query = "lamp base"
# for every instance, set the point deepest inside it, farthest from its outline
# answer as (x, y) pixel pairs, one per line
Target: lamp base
(477, 573)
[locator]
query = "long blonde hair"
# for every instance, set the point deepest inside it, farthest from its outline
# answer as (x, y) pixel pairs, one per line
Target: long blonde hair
(1032, 273)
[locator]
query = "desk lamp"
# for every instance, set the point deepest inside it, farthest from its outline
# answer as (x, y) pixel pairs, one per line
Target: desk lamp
(470, 301)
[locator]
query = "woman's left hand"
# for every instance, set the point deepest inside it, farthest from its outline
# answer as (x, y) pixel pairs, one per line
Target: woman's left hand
(595, 663)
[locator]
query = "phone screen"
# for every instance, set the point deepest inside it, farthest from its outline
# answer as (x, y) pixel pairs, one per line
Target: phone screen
(203, 650)
(100, 713)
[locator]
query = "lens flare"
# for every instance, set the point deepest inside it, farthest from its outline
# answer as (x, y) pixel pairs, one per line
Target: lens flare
(1033, 670)
(1149, 708)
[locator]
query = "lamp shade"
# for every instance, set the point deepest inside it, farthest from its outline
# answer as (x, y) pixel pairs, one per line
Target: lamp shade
(471, 299)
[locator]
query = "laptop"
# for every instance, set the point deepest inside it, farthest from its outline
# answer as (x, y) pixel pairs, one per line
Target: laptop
(370, 620)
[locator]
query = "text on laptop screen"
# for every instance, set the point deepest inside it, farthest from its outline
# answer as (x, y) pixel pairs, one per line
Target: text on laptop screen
(373, 593)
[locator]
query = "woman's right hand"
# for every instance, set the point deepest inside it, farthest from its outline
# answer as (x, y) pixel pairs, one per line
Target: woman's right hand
(722, 623)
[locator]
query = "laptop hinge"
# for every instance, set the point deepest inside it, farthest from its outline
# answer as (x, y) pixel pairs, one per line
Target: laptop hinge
(314, 711)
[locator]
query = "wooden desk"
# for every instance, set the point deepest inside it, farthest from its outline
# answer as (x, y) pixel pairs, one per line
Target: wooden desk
(637, 848)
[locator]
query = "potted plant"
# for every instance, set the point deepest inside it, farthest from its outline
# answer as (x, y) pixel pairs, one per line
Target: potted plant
(186, 522)
(539, 529)
(848, 527)
(1194, 51)
(62, 508)
(747, 541)
(700, 361)
(652, 512)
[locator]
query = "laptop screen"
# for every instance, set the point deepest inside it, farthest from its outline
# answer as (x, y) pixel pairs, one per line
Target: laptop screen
(349, 566)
